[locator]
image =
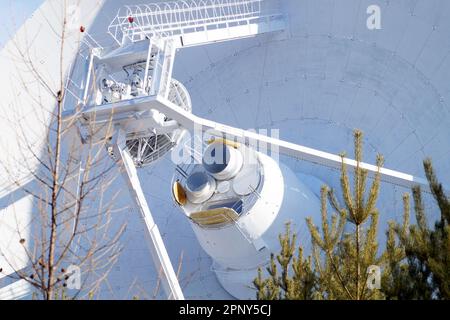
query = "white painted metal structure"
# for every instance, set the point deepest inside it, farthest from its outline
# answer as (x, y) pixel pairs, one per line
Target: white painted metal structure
(155, 242)
(176, 19)
(146, 53)
(194, 22)
(239, 221)
(326, 75)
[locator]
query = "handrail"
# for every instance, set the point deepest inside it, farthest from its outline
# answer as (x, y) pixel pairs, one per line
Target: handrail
(157, 18)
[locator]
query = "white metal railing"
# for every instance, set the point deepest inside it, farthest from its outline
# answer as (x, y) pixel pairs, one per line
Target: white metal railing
(179, 17)
(163, 65)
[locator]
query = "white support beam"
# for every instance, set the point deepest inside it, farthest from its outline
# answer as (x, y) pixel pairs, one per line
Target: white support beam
(192, 122)
(167, 67)
(155, 243)
(147, 64)
(87, 84)
(195, 22)
(159, 45)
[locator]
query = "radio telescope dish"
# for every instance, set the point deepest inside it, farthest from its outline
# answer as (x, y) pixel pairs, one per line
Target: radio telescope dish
(324, 74)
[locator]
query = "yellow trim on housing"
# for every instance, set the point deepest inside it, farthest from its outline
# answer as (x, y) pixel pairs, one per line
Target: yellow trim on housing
(179, 194)
(215, 216)
(229, 143)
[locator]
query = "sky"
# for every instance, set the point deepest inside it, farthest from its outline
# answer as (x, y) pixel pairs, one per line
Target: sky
(15, 12)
